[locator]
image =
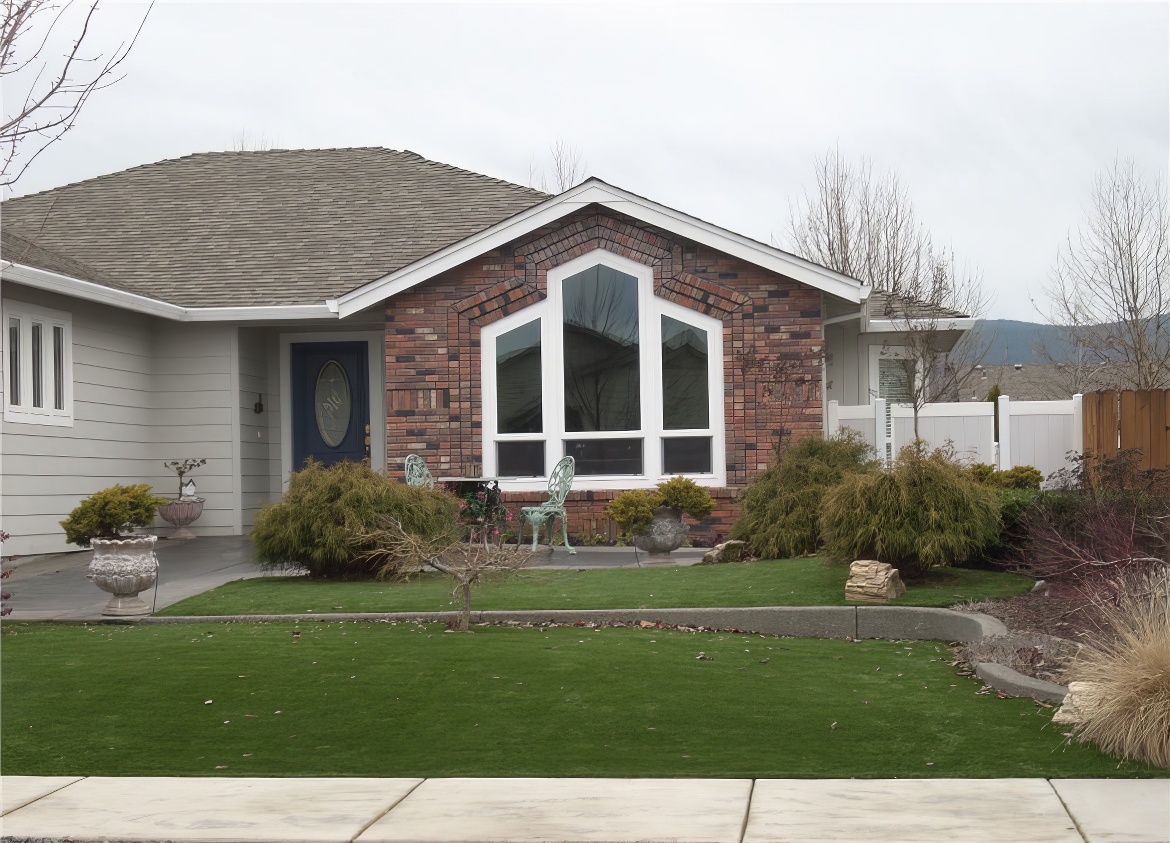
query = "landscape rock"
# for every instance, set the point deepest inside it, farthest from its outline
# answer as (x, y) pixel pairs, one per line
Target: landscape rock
(871, 581)
(729, 551)
(1080, 702)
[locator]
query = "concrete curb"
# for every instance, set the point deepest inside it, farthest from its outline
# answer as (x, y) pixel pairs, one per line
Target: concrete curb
(894, 622)
(1016, 684)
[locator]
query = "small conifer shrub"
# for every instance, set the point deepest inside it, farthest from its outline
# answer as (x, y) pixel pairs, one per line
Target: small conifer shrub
(779, 513)
(324, 507)
(921, 512)
(112, 513)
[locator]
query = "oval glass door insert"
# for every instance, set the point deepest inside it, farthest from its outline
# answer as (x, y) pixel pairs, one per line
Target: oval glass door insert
(332, 403)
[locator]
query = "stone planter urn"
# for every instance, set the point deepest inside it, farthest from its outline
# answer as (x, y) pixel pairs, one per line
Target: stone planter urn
(124, 567)
(665, 533)
(181, 512)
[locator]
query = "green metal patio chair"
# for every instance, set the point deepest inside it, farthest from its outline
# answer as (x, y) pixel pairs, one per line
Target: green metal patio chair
(417, 473)
(559, 483)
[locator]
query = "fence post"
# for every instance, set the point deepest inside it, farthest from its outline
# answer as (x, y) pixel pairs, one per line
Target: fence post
(1078, 436)
(832, 419)
(883, 435)
(1004, 409)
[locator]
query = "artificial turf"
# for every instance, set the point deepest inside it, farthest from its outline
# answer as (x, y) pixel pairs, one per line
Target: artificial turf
(381, 699)
(786, 582)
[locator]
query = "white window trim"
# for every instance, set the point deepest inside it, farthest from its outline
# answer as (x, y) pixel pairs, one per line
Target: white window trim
(651, 309)
(25, 412)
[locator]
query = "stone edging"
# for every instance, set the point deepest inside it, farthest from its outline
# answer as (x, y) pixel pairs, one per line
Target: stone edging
(895, 622)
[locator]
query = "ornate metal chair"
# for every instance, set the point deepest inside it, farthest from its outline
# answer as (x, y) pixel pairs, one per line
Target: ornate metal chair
(559, 483)
(417, 473)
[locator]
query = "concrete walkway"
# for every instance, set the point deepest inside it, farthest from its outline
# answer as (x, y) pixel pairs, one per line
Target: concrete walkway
(334, 810)
(56, 586)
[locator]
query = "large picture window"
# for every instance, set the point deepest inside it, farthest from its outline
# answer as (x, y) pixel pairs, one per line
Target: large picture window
(38, 365)
(628, 384)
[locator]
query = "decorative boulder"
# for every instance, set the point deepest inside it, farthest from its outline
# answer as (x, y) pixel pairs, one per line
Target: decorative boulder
(1079, 703)
(873, 582)
(730, 551)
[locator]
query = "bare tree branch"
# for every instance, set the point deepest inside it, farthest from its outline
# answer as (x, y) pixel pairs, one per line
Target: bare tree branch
(39, 110)
(568, 169)
(1111, 282)
(865, 226)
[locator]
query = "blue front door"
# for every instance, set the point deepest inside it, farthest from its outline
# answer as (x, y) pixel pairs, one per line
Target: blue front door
(330, 402)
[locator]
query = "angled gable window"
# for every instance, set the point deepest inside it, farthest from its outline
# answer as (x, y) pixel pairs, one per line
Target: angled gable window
(627, 383)
(38, 362)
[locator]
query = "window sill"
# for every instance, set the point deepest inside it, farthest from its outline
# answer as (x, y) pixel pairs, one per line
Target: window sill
(17, 416)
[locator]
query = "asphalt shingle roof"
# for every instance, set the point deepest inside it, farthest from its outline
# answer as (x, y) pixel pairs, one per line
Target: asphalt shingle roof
(257, 228)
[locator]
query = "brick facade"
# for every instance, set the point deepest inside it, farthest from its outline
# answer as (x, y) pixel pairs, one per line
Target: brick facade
(432, 348)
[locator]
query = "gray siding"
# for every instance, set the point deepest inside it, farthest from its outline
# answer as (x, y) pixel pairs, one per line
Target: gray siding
(259, 432)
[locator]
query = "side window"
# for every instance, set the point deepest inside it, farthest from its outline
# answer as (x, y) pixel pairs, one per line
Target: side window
(38, 364)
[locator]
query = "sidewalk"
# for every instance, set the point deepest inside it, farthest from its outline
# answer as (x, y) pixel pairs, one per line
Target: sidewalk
(216, 810)
(56, 586)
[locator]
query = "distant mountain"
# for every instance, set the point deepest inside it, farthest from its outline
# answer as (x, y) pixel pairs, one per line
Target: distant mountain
(1011, 342)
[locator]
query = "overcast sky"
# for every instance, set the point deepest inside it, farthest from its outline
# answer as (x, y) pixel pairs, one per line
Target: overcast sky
(996, 116)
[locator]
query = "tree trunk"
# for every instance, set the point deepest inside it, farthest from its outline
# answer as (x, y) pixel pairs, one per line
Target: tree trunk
(465, 618)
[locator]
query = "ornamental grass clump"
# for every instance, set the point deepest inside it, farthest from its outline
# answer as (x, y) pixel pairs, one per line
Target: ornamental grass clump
(919, 513)
(780, 510)
(325, 506)
(1129, 671)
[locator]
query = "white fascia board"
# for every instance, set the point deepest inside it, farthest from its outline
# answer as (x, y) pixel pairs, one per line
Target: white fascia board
(53, 282)
(901, 326)
(591, 192)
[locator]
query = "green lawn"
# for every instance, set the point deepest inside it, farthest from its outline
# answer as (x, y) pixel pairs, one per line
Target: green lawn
(787, 582)
(376, 699)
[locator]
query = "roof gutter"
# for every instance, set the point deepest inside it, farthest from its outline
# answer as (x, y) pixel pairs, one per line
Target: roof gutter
(53, 282)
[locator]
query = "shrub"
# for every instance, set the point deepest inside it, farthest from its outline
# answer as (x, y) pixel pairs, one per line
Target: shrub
(779, 510)
(313, 523)
(111, 514)
(1017, 477)
(921, 512)
(634, 510)
(1129, 671)
(687, 496)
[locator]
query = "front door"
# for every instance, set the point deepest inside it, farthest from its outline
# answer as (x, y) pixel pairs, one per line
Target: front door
(330, 402)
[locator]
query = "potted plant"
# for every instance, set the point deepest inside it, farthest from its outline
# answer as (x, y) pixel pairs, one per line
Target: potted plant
(182, 511)
(123, 564)
(654, 519)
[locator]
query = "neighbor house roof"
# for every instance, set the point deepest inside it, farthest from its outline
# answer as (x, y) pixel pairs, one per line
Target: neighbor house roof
(278, 227)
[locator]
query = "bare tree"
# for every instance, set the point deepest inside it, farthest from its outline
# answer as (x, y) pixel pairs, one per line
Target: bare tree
(865, 226)
(1111, 282)
(568, 169)
(468, 561)
(245, 142)
(44, 90)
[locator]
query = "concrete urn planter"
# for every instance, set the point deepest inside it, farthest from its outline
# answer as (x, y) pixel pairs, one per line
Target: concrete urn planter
(124, 567)
(665, 533)
(181, 512)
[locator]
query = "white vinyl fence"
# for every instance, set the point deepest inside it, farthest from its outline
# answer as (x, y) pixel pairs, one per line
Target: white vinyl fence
(1036, 433)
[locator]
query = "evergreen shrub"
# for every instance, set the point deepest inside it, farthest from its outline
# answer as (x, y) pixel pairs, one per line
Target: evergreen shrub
(633, 511)
(324, 507)
(111, 514)
(923, 511)
(779, 513)
(1017, 477)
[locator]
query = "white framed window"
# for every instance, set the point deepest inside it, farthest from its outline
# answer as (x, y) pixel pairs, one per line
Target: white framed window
(629, 384)
(38, 365)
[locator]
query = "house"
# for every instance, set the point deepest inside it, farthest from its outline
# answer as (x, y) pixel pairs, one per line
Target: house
(259, 308)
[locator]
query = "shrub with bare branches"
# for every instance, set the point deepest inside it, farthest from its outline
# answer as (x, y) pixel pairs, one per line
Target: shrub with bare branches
(396, 553)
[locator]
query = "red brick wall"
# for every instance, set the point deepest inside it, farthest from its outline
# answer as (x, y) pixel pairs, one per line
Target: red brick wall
(432, 348)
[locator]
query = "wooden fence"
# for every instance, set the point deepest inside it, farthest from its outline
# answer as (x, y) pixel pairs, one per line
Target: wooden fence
(1119, 421)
